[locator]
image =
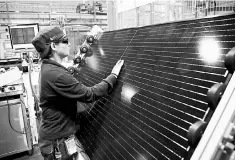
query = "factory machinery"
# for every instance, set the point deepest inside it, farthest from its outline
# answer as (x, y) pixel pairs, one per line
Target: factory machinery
(18, 129)
(15, 128)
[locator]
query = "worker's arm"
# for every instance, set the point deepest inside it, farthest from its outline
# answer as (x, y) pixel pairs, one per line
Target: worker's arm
(68, 86)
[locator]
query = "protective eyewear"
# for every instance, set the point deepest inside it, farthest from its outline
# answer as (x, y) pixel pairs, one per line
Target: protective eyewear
(65, 41)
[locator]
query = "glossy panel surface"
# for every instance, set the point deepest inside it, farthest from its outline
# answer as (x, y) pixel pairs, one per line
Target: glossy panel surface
(161, 90)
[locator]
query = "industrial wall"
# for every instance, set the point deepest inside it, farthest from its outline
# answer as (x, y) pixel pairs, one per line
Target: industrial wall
(136, 13)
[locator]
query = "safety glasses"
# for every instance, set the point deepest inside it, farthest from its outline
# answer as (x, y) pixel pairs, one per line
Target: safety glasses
(64, 40)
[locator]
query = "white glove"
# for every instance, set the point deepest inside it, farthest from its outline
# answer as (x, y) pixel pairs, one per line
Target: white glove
(116, 69)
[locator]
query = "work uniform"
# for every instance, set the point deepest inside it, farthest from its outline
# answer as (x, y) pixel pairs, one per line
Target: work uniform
(59, 93)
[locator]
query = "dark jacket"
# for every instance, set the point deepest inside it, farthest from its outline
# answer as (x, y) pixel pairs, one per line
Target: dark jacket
(59, 93)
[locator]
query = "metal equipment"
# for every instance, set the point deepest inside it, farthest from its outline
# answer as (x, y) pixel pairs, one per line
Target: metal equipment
(86, 49)
(15, 131)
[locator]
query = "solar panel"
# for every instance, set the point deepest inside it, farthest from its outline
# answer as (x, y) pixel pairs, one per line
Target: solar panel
(161, 90)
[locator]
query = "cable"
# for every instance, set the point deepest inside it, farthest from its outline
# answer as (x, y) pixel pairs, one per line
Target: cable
(30, 79)
(9, 115)
(33, 92)
(32, 149)
(128, 44)
(27, 99)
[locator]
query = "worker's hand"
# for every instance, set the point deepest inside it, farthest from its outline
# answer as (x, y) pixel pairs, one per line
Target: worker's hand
(116, 69)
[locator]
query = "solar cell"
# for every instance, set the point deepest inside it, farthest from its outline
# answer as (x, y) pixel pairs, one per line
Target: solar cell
(161, 90)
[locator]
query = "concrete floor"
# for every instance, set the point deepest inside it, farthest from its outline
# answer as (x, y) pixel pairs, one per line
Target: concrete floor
(25, 156)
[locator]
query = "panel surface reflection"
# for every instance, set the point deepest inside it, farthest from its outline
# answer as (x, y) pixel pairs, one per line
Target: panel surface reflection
(161, 90)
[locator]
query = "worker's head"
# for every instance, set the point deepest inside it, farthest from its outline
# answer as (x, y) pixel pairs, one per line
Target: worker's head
(51, 41)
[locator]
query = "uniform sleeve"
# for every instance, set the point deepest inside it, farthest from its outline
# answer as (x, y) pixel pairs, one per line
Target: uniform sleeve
(68, 86)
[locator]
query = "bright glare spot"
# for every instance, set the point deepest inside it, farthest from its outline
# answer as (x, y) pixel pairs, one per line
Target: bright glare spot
(142, 157)
(92, 62)
(101, 51)
(127, 93)
(96, 29)
(209, 50)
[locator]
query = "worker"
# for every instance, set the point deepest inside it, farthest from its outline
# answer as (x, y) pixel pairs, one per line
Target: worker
(59, 92)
